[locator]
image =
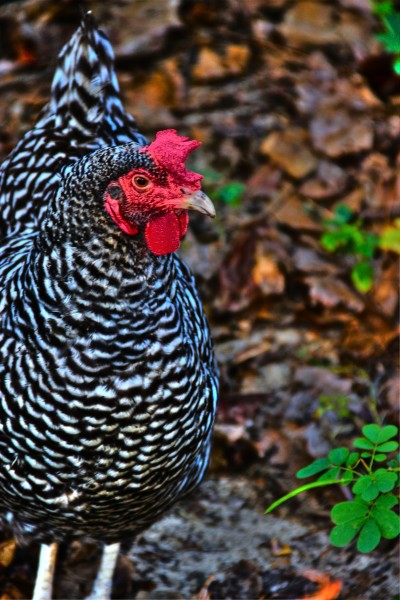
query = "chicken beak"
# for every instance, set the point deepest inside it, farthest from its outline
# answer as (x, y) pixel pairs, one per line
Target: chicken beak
(198, 201)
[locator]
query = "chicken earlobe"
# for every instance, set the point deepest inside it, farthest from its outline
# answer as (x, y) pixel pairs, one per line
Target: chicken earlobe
(112, 206)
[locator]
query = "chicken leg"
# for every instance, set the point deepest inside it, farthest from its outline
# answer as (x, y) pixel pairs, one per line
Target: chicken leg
(44, 579)
(103, 584)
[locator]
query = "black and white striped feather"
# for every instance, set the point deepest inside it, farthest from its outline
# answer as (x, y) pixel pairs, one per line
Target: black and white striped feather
(84, 113)
(108, 383)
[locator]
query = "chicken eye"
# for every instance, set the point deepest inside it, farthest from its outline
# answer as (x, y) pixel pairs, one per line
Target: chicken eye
(140, 182)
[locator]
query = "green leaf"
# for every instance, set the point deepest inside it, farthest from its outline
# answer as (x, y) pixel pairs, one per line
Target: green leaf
(390, 236)
(332, 240)
(299, 490)
(343, 534)
(338, 456)
(383, 7)
(231, 193)
(392, 22)
(337, 403)
(372, 432)
(369, 486)
(379, 457)
(363, 444)
(321, 464)
(352, 459)
(348, 477)
(362, 484)
(391, 39)
(389, 431)
(366, 487)
(369, 537)
(387, 521)
(366, 454)
(366, 245)
(387, 447)
(362, 275)
(385, 480)
(332, 474)
(377, 434)
(343, 213)
(386, 501)
(346, 512)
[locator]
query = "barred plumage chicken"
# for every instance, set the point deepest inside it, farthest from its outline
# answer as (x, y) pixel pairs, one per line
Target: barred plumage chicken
(108, 382)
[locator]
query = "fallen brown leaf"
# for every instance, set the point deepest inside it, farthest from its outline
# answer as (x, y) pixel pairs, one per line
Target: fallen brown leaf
(338, 133)
(7, 551)
(331, 292)
(279, 549)
(289, 150)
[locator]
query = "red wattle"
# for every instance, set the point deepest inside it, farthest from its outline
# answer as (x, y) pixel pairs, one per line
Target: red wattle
(183, 223)
(163, 234)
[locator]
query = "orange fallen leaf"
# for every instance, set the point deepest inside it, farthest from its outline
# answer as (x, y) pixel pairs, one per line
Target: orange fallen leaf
(279, 549)
(329, 589)
(7, 551)
(11, 592)
(203, 593)
(25, 56)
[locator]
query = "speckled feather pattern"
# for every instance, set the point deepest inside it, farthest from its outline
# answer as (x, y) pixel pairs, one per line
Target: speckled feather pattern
(108, 383)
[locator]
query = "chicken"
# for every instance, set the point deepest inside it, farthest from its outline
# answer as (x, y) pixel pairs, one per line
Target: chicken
(108, 381)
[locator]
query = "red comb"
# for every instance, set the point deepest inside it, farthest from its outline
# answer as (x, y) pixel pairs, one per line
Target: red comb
(170, 150)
